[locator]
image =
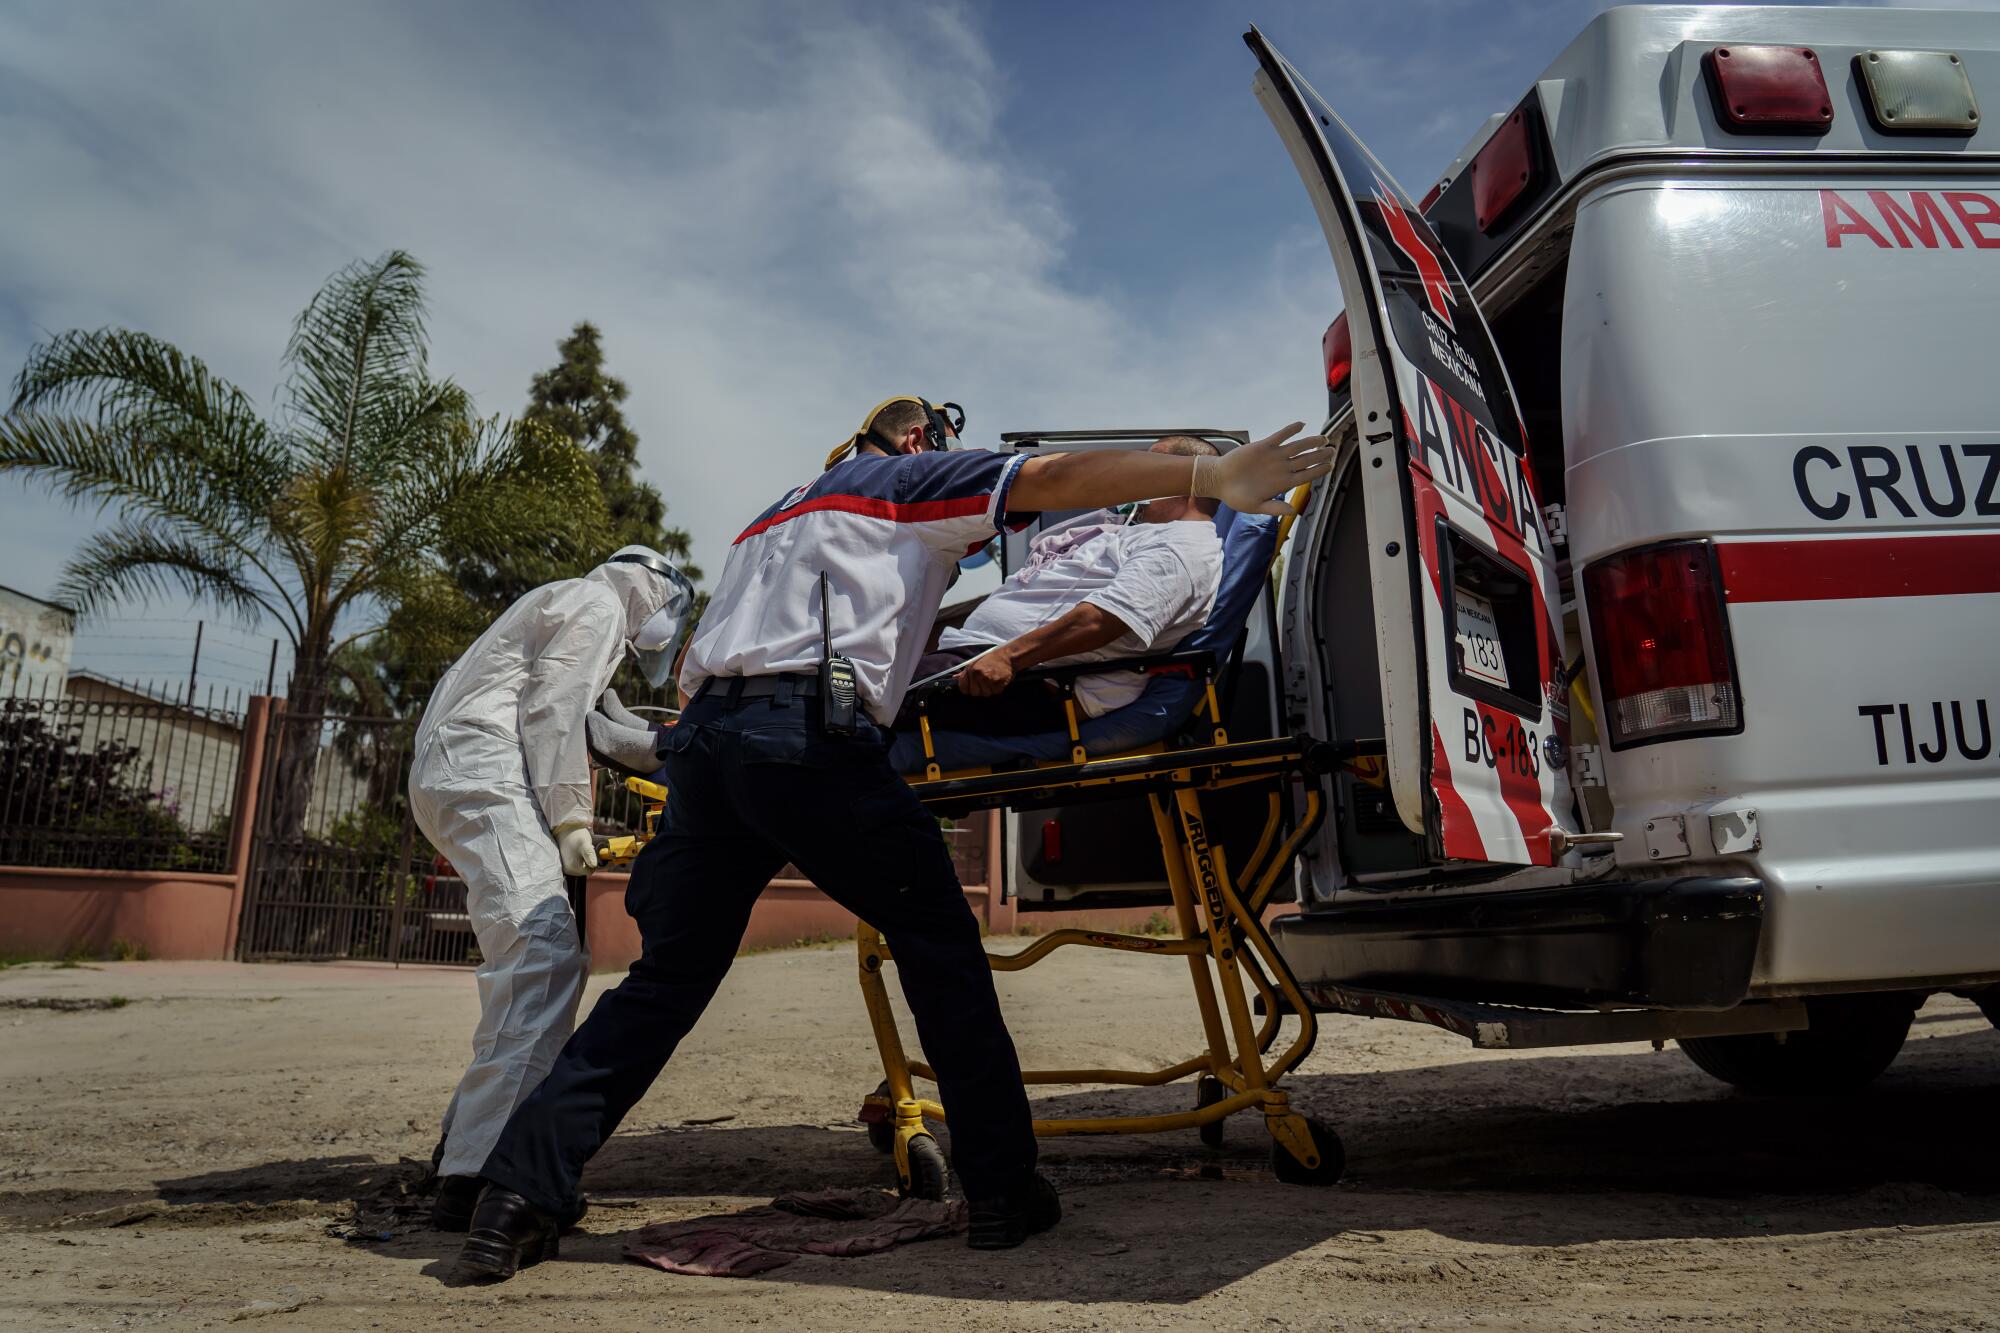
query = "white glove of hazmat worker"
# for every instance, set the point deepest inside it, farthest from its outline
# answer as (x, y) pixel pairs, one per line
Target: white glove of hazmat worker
(1248, 477)
(579, 853)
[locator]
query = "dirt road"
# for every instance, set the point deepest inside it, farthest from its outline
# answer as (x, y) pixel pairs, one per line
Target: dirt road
(193, 1156)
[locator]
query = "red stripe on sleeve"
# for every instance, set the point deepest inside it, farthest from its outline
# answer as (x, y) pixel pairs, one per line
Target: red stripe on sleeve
(924, 511)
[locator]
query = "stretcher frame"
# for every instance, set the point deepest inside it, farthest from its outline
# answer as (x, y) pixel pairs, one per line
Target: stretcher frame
(1220, 933)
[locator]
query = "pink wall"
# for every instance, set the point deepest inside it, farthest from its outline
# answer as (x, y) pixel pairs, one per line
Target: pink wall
(791, 911)
(170, 914)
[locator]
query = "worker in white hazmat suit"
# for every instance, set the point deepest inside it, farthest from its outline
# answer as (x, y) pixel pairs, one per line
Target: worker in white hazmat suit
(500, 784)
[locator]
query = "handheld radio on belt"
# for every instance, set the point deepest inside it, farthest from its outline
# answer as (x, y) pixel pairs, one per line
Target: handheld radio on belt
(836, 674)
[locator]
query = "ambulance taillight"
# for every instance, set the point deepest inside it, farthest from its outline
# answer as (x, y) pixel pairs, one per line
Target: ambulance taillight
(1664, 660)
(1336, 348)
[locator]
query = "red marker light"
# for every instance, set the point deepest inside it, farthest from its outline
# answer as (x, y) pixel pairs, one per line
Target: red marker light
(1337, 349)
(1501, 172)
(1769, 89)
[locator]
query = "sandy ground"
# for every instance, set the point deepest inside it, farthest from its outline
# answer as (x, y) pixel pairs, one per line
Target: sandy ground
(193, 1156)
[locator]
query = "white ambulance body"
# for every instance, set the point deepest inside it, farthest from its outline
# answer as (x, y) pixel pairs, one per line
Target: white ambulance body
(1656, 602)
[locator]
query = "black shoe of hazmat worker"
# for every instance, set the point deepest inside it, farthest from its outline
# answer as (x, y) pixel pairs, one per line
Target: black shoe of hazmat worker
(457, 1196)
(1002, 1223)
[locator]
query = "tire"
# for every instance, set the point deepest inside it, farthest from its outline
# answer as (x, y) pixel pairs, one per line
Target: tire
(928, 1173)
(1851, 1040)
(1332, 1158)
(1207, 1092)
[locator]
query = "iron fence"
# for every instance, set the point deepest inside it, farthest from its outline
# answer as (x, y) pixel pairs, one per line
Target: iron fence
(338, 869)
(111, 777)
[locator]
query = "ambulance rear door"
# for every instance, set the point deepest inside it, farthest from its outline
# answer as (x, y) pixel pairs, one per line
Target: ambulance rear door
(1460, 567)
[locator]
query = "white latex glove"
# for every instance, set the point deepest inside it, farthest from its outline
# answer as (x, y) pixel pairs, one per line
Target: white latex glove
(579, 853)
(1247, 478)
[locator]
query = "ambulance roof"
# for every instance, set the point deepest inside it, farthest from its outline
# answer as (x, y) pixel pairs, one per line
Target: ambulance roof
(1631, 82)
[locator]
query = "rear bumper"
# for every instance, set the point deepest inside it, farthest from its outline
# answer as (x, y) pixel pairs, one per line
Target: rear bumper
(1686, 943)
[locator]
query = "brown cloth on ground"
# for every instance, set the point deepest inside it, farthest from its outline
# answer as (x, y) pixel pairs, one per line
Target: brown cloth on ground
(838, 1222)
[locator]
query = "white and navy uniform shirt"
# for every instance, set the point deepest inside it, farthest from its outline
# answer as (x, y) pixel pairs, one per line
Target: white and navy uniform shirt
(888, 531)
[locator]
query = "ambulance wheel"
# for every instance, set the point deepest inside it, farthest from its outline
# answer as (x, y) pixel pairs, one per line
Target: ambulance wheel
(928, 1172)
(1332, 1158)
(1208, 1091)
(1849, 1040)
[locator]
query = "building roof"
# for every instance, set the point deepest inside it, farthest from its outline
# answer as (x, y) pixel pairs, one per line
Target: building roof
(41, 601)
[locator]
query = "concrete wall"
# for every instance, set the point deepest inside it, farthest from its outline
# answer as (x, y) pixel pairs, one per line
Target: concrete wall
(169, 913)
(35, 640)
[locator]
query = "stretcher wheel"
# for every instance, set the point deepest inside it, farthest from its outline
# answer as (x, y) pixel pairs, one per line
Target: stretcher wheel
(928, 1172)
(882, 1133)
(1208, 1090)
(1332, 1158)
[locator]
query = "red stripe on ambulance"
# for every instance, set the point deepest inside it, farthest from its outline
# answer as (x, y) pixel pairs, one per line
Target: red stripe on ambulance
(1840, 569)
(1458, 832)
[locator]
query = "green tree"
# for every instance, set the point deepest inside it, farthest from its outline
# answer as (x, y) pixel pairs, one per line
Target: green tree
(576, 400)
(333, 516)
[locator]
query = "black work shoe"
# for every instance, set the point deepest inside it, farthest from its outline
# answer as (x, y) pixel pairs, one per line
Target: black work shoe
(457, 1196)
(507, 1234)
(1005, 1221)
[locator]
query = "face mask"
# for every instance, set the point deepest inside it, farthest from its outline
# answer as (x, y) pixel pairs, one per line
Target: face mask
(655, 642)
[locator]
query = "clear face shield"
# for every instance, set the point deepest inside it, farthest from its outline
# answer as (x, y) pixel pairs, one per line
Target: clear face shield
(655, 643)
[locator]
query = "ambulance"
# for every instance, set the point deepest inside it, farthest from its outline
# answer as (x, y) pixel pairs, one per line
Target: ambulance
(1654, 606)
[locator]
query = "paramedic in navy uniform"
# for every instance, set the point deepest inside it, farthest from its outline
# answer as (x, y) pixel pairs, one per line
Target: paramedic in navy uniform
(754, 780)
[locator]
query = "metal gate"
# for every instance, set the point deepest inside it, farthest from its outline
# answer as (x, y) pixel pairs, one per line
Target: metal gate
(337, 866)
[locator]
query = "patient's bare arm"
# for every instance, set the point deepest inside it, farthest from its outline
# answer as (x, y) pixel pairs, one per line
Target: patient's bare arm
(1082, 629)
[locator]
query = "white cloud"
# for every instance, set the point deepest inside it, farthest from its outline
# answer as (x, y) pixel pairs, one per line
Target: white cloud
(777, 215)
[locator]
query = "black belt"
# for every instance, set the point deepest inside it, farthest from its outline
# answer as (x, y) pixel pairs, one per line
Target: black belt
(732, 688)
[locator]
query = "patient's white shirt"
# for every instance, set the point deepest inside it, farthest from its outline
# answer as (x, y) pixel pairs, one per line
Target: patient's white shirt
(1159, 578)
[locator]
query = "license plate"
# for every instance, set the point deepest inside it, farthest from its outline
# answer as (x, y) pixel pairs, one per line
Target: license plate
(1479, 653)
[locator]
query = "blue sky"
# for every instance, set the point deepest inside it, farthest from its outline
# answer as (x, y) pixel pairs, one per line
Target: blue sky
(779, 213)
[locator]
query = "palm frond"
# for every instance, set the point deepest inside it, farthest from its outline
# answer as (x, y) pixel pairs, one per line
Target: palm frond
(140, 560)
(171, 414)
(491, 488)
(360, 339)
(85, 461)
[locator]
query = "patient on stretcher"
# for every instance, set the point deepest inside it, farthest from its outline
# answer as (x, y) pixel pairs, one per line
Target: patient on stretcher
(1095, 589)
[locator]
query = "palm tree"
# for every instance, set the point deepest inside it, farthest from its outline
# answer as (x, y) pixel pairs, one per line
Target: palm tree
(328, 516)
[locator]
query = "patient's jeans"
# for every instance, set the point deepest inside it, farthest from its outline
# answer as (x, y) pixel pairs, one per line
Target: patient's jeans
(1025, 708)
(752, 785)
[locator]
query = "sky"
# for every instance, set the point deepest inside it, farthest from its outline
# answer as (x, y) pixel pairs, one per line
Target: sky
(1061, 215)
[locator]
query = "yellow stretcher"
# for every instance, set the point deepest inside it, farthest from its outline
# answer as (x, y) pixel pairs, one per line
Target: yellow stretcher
(1219, 932)
(1217, 903)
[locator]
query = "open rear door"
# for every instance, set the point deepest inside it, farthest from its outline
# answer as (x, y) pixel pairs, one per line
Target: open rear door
(1463, 577)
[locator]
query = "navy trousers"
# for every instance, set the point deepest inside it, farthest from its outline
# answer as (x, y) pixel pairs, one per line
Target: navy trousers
(751, 785)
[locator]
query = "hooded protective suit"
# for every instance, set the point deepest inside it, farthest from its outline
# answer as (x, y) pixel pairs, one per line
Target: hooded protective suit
(500, 769)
